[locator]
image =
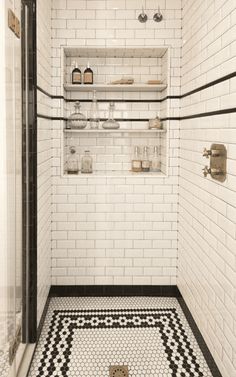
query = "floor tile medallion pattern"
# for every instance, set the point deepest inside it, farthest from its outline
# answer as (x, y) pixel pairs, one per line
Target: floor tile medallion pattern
(86, 336)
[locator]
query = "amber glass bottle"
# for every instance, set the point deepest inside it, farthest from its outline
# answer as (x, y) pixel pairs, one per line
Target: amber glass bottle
(88, 75)
(76, 75)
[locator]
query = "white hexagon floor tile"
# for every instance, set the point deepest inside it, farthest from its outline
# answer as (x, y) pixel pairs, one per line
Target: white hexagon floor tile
(86, 336)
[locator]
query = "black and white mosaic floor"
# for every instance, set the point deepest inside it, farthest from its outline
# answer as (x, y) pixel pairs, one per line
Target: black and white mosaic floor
(86, 336)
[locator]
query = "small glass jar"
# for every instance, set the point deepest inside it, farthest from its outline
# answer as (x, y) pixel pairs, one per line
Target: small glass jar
(111, 123)
(145, 160)
(136, 163)
(72, 166)
(156, 163)
(87, 163)
(76, 121)
(155, 123)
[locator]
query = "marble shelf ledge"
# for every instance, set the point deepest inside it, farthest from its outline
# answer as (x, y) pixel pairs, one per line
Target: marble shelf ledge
(117, 173)
(115, 88)
(115, 131)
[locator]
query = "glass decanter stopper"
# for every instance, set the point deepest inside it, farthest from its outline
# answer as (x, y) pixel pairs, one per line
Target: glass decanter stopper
(156, 163)
(72, 162)
(94, 113)
(76, 121)
(111, 123)
(87, 163)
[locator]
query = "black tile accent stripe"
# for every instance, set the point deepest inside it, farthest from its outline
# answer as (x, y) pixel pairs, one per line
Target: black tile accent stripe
(199, 89)
(210, 113)
(114, 290)
(211, 83)
(48, 94)
(193, 116)
(101, 119)
(42, 116)
(202, 115)
(200, 340)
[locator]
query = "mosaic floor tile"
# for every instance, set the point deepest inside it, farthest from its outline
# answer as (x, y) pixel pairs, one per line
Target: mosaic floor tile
(86, 336)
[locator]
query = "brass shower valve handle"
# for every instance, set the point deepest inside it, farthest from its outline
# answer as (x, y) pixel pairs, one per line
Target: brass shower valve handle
(210, 152)
(217, 155)
(213, 172)
(206, 171)
(206, 153)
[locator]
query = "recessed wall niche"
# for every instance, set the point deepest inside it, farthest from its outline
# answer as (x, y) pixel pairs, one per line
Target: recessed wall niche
(135, 105)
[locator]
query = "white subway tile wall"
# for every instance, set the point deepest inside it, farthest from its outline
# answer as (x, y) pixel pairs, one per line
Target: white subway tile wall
(116, 230)
(121, 229)
(113, 152)
(44, 153)
(108, 69)
(207, 222)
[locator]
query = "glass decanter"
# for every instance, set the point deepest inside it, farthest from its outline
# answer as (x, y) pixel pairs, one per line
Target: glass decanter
(94, 113)
(76, 121)
(111, 123)
(72, 166)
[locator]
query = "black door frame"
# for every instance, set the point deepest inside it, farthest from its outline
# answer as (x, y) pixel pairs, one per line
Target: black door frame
(29, 173)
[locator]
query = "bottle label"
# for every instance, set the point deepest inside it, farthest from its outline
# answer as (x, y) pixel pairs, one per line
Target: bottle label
(88, 78)
(156, 165)
(76, 77)
(136, 164)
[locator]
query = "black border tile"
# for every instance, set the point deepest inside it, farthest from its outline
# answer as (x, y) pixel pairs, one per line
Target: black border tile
(199, 338)
(114, 290)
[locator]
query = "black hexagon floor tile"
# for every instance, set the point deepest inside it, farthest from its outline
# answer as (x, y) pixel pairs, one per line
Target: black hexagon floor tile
(86, 336)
